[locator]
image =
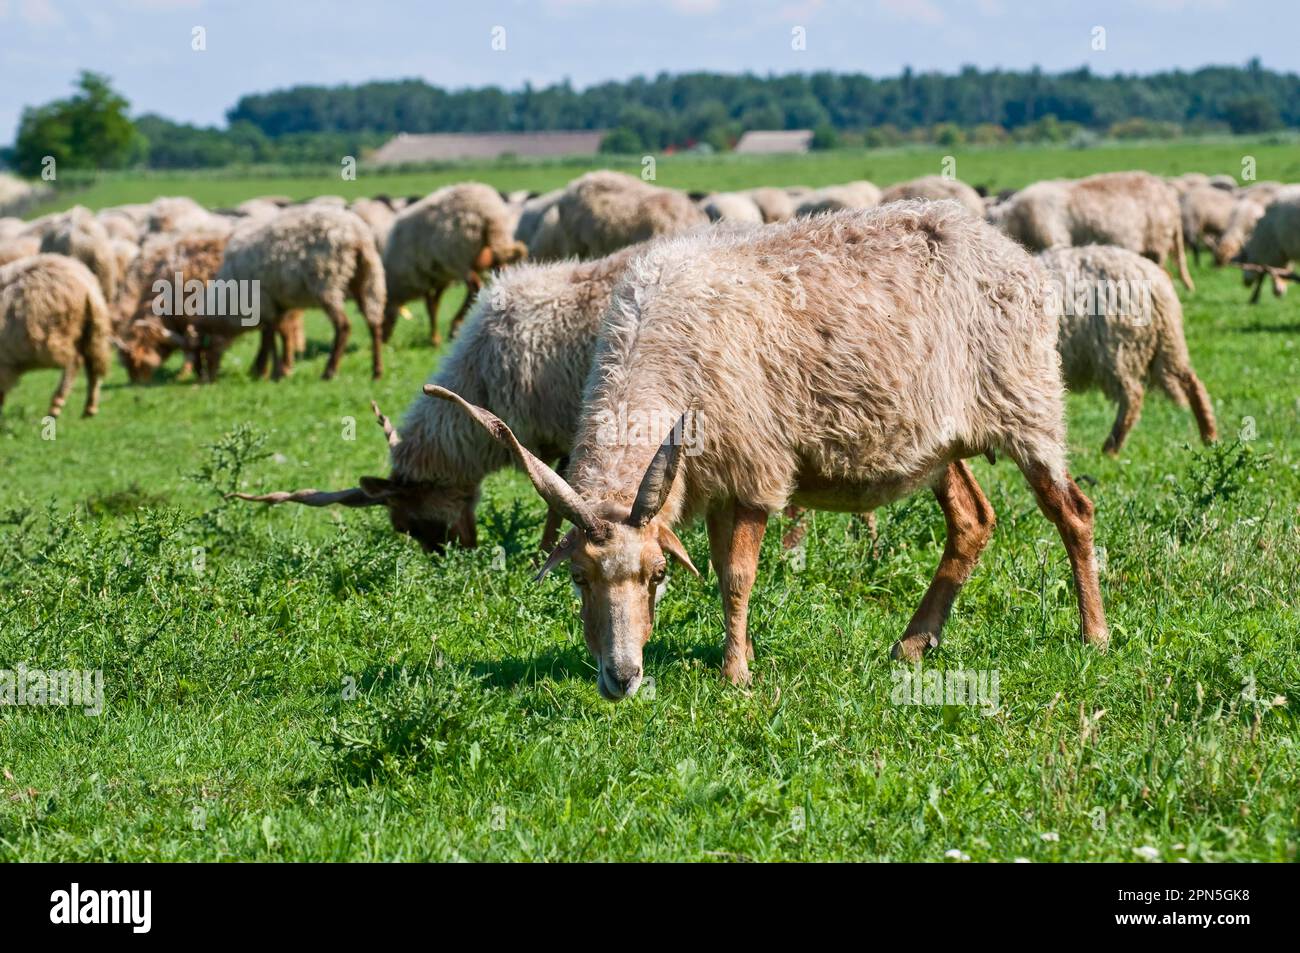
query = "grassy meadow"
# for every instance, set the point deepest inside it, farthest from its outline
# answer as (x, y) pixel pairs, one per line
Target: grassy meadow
(302, 684)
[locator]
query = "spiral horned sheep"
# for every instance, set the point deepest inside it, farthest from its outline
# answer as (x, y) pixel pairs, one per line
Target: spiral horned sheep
(455, 234)
(53, 314)
(1122, 329)
(305, 257)
(836, 362)
(525, 353)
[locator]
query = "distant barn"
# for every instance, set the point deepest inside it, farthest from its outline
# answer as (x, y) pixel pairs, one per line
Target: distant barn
(438, 146)
(758, 141)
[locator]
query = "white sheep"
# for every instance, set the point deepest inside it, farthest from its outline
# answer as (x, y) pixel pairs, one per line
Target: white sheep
(455, 234)
(1121, 330)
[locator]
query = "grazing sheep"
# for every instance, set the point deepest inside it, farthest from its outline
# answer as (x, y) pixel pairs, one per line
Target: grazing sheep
(1275, 242)
(378, 215)
(119, 225)
(774, 204)
(456, 234)
(530, 216)
(1134, 210)
(81, 236)
(1188, 180)
(837, 362)
(524, 353)
(53, 314)
(936, 188)
(1243, 218)
(1223, 181)
(1206, 212)
(731, 207)
(180, 214)
(307, 256)
(149, 326)
(1122, 329)
(604, 211)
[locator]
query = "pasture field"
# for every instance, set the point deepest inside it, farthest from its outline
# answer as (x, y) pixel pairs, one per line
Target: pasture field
(1276, 157)
(302, 684)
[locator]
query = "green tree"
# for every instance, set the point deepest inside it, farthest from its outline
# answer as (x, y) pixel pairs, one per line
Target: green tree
(89, 130)
(1251, 114)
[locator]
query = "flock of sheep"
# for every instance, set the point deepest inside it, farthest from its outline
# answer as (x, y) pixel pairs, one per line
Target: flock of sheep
(835, 348)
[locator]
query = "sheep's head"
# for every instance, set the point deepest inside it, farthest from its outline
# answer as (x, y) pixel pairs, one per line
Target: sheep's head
(432, 513)
(143, 346)
(617, 556)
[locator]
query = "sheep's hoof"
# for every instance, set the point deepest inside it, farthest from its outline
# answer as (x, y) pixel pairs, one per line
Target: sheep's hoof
(1098, 640)
(90, 412)
(911, 648)
(738, 674)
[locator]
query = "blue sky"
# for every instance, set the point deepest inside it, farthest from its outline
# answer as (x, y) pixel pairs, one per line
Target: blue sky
(258, 45)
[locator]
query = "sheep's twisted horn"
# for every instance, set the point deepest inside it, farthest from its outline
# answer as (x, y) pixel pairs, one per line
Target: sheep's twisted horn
(389, 430)
(549, 484)
(657, 482)
(354, 496)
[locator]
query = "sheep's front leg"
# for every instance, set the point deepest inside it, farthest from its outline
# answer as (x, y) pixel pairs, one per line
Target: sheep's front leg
(735, 537)
(970, 520)
(65, 387)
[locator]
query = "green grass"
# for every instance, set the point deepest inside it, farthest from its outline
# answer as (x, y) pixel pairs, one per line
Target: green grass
(1275, 157)
(302, 684)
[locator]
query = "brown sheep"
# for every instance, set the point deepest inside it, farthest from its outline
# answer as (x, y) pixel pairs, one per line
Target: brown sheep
(53, 314)
(836, 362)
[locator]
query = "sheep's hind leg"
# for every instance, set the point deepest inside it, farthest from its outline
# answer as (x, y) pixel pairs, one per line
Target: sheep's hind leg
(970, 521)
(1071, 512)
(65, 387)
(1126, 415)
(339, 318)
(735, 537)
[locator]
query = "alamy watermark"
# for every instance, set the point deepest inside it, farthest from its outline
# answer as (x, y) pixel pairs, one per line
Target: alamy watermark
(622, 427)
(35, 687)
(217, 298)
(1127, 299)
(976, 688)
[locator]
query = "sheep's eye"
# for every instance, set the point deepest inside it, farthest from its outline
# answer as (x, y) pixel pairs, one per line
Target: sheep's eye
(658, 576)
(578, 578)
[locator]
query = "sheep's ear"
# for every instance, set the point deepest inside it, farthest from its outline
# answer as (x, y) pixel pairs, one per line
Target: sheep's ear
(379, 488)
(671, 544)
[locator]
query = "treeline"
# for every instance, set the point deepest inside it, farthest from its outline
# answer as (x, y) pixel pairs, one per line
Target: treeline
(682, 110)
(310, 124)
